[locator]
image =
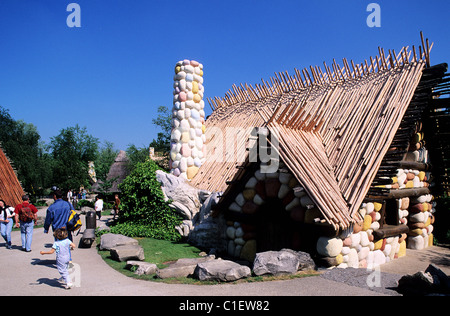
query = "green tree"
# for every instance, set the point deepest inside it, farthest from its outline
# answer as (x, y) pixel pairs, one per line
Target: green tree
(71, 150)
(105, 158)
(136, 155)
(164, 121)
(21, 142)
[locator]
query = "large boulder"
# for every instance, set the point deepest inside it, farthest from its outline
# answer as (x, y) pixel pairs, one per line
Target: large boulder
(206, 209)
(221, 270)
(142, 267)
(127, 252)
(305, 262)
(109, 241)
(281, 262)
(275, 263)
(182, 267)
(432, 281)
(195, 206)
(185, 198)
(209, 232)
(420, 283)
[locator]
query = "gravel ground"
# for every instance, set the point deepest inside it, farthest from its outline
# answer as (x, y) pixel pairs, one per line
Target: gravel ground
(377, 281)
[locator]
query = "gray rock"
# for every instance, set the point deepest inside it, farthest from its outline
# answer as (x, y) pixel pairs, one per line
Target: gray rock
(184, 228)
(127, 252)
(275, 263)
(206, 208)
(444, 280)
(420, 283)
(181, 209)
(221, 270)
(305, 261)
(109, 241)
(431, 282)
(182, 267)
(185, 198)
(142, 267)
(210, 234)
(203, 195)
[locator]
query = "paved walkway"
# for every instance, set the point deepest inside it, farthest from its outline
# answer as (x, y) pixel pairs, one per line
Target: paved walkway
(34, 274)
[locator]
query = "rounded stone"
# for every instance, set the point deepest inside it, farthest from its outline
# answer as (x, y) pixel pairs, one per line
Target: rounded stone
(329, 247)
(191, 172)
(182, 97)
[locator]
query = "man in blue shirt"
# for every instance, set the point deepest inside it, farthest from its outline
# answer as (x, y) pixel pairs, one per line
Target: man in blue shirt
(58, 213)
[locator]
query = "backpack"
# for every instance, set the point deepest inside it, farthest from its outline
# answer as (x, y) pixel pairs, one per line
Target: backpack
(26, 214)
(74, 221)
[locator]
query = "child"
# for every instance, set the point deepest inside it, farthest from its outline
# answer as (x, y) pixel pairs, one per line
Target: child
(62, 246)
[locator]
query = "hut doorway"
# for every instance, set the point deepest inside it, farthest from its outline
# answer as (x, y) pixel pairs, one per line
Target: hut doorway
(275, 228)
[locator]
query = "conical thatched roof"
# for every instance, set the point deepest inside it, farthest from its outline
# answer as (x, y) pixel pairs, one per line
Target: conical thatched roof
(118, 170)
(10, 189)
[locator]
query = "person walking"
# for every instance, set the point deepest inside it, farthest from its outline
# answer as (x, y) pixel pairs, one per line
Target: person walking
(62, 247)
(98, 206)
(69, 196)
(6, 222)
(116, 206)
(26, 217)
(58, 214)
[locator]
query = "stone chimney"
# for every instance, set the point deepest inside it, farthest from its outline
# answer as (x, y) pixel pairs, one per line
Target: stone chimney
(187, 148)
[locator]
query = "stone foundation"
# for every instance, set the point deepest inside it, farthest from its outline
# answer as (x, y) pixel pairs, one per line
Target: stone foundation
(357, 247)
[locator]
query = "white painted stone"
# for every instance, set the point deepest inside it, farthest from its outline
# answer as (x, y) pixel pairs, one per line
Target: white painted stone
(329, 247)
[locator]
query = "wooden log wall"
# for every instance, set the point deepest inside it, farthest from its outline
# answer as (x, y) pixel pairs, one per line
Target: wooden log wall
(406, 172)
(437, 130)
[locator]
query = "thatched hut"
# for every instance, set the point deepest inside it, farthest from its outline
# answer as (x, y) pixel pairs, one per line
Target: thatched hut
(328, 161)
(117, 173)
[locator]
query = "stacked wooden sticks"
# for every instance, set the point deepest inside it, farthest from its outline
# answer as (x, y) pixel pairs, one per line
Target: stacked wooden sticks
(10, 189)
(227, 136)
(282, 82)
(353, 126)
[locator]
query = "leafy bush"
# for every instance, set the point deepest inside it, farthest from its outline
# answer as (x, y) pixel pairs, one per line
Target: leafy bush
(144, 211)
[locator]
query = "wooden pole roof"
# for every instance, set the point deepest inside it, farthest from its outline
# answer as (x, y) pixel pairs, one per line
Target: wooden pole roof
(334, 126)
(10, 188)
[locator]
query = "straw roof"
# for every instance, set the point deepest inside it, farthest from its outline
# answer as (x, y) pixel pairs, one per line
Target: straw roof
(10, 188)
(333, 127)
(118, 170)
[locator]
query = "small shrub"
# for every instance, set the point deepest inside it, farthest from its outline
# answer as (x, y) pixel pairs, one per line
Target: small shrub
(40, 203)
(83, 203)
(144, 211)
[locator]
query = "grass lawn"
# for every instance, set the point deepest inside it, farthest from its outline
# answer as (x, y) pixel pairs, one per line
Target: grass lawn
(161, 253)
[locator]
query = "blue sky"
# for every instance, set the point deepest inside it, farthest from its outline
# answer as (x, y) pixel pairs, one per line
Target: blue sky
(111, 74)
